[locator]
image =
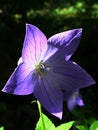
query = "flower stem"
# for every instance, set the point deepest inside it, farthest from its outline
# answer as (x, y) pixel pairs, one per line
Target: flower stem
(41, 116)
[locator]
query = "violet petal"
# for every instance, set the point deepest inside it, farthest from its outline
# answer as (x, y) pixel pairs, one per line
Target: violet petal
(67, 41)
(20, 82)
(75, 77)
(74, 100)
(50, 97)
(35, 45)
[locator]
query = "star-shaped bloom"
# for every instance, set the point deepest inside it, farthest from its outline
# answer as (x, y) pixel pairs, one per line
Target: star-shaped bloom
(47, 72)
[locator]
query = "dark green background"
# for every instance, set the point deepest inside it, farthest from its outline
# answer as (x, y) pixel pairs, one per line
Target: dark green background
(51, 16)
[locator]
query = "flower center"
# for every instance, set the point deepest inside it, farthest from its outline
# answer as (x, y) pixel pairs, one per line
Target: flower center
(41, 68)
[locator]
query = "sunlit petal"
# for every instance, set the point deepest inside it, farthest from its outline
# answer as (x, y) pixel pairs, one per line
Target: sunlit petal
(67, 42)
(20, 82)
(35, 45)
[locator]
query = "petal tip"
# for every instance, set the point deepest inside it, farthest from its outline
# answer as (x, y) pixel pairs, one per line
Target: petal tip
(58, 115)
(80, 31)
(19, 61)
(27, 24)
(91, 81)
(80, 103)
(4, 90)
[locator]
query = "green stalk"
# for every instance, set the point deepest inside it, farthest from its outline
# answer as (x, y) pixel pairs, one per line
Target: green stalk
(41, 116)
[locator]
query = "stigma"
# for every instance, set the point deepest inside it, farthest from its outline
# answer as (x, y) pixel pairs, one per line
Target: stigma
(41, 68)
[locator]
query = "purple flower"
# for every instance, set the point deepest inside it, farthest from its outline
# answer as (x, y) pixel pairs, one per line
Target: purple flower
(47, 72)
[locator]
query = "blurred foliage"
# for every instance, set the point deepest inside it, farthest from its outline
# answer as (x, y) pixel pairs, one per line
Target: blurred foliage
(51, 16)
(1, 128)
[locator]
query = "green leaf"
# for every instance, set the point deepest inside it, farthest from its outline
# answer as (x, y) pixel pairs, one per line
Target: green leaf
(1, 128)
(47, 122)
(94, 125)
(81, 127)
(65, 126)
